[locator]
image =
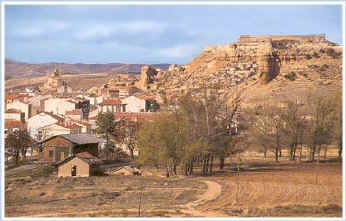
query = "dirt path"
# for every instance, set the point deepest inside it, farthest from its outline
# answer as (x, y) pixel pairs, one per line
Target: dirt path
(212, 193)
(189, 209)
(21, 168)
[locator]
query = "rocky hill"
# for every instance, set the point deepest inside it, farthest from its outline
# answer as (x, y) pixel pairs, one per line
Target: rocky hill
(20, 69)
(268, 67)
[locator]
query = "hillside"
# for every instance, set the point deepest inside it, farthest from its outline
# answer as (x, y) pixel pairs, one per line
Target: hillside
(266, 67)
(20, 69)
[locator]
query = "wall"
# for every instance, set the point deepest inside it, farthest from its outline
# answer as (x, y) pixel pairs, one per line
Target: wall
(12, 116)
(52, 145)
(83, 168)
(54, 129)
(261, 38)
(38, 121)
(134, 104)
(23, 107)
(58, 106)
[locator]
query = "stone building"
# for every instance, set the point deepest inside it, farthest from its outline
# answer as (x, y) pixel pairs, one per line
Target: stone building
(59, 147)
(81, 165)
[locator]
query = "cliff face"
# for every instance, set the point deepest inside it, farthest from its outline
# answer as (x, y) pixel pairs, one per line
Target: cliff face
(257, 59)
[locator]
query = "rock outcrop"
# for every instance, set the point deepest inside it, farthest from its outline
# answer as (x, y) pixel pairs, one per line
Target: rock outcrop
(252, 59)
(148, 75)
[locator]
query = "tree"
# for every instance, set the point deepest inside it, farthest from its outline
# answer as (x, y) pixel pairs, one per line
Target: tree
(267, 128)
(105, 124)
(19, 141)
(126, 134)
(194, 130)
(320, 111)
(161, 142)
(337, 120)
(294, 122)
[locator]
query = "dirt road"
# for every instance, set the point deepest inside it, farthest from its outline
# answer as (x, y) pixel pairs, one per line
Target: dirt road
(212, 193)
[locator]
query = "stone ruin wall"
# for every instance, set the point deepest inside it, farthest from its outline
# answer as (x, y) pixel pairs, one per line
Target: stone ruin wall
(266, 38)
(261, 53)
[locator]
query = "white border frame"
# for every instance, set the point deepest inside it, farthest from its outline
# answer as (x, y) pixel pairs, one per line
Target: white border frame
(4, 3)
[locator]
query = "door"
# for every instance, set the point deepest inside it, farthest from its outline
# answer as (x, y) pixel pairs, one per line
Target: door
(74, 171)
(62, 155)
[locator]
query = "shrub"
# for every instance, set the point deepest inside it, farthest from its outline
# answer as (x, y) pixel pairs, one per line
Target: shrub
(308, 56)
(291, 76)
(316, 55)
(331, 53)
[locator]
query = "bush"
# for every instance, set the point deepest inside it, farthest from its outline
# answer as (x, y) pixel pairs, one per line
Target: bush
(331, 53)
(291, 76)
(316, 55)
(308, 56)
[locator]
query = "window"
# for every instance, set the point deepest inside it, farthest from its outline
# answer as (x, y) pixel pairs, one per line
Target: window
(50, 153)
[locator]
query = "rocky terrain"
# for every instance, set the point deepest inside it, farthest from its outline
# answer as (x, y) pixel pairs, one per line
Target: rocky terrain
(265, 67)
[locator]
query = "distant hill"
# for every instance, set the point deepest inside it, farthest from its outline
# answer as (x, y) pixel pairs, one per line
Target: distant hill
(20, 69)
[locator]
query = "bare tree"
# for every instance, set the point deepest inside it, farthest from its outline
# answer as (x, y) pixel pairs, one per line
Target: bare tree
(267, 128)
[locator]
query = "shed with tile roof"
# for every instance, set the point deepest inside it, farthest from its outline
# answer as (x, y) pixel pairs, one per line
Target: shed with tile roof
(62, 146)
(80, 165)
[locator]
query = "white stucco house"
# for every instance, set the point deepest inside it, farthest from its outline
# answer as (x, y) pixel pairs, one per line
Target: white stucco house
(59, 105)
(22, 106)
(135, 104)
(39, 121)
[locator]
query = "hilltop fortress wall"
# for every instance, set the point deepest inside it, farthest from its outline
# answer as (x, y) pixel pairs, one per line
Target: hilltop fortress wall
(266, 38)
(268, 52)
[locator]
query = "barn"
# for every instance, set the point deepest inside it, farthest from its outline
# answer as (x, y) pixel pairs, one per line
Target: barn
(62, 146)
(80, 165)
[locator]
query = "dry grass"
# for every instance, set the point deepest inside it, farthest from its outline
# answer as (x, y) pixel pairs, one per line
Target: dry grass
(281, 190)
(261, 189)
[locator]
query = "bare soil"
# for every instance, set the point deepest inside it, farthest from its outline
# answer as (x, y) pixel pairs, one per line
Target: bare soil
(260, 189)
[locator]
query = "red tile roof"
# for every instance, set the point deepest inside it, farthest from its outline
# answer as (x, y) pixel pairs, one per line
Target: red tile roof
(58, 118)
(86, 155)
(9, 124)
(12, 110)
(85, 123)
(70, 126)
(73, 112)
(135, 116)
(16, 96)
(111, 101)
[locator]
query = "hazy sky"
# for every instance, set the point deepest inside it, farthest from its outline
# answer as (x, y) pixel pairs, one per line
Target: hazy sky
(150, 34)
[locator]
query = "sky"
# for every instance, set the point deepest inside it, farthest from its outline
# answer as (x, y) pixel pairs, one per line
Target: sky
(151, 34)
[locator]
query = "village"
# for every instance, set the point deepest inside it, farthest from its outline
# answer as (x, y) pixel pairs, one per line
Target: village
(251, 128)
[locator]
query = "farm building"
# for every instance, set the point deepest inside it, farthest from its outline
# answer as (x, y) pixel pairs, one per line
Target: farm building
(61, 146)
(81, 165)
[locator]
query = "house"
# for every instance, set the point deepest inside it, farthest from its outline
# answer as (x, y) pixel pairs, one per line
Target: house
(14, 114)
(23, 106)
(135, 104)
(59, 105)
(80, 165)
(59, 147)
(37, 103)
(94, 100)
(37, 122)
(73, 114)
(61, 128)
(112, 105)
(84, 125)
(125, 91)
